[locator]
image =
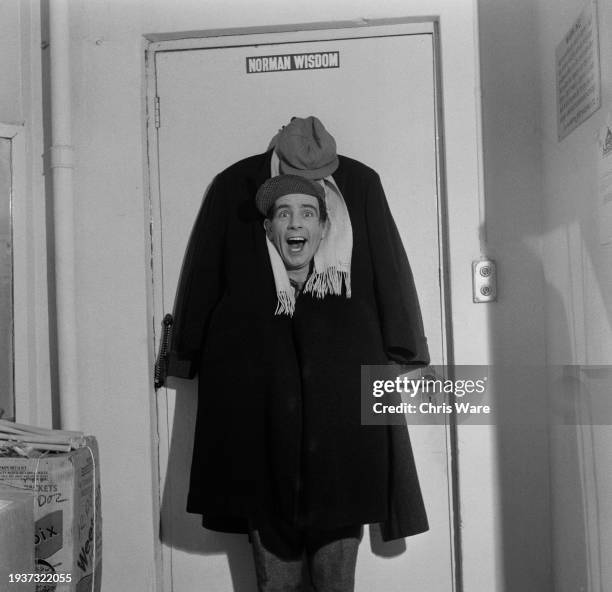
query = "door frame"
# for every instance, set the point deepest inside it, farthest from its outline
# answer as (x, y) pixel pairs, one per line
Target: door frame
(164, 42)
(30, 333)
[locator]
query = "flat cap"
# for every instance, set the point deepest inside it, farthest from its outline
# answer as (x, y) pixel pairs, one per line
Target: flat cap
(306, 148)
(280, 185)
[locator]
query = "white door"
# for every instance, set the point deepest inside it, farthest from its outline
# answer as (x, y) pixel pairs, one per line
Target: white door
(377, 98)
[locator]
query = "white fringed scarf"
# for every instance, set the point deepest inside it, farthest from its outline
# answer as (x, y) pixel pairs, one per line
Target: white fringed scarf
(332, 261)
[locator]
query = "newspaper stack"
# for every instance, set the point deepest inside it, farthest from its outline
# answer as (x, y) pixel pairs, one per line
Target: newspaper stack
(26, 440)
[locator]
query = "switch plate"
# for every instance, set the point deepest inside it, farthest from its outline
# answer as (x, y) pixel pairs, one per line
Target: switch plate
(484, 280)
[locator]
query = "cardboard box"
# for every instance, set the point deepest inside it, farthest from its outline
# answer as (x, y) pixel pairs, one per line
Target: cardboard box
(16, 536)
(67, 515)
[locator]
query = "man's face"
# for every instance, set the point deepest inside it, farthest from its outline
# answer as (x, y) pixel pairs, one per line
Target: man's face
(295, 229)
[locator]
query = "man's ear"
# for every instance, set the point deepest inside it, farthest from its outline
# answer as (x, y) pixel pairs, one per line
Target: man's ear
(267, 227)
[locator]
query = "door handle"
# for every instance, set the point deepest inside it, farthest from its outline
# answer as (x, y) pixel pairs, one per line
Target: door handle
(161, 365)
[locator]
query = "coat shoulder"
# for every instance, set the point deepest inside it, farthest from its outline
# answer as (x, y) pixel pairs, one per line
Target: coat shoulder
(247, 167)
(355, 168)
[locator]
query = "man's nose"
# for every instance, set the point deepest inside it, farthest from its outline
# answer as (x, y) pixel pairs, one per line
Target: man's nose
(295, 221)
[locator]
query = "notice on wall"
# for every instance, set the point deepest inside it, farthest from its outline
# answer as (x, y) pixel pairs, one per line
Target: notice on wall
(578, 74)
(604, 180)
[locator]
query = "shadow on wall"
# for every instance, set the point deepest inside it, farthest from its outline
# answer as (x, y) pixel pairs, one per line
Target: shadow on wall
(519, 382)
(544, 496)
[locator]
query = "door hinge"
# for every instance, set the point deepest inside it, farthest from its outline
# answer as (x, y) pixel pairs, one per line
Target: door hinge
(156, 108)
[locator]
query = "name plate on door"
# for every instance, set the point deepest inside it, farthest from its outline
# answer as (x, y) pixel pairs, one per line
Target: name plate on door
(293, 61)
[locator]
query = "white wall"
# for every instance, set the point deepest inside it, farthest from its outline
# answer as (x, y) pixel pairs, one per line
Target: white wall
(559, 277)
(10, 65)
(578, 275)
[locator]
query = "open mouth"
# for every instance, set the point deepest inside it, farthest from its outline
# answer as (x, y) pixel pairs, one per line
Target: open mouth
(296, 244)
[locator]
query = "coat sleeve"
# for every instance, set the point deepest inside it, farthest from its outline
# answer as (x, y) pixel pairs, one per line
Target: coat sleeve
(398, 305)
(201, 283)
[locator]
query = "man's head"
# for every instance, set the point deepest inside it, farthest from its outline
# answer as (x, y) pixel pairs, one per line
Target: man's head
(295, 218)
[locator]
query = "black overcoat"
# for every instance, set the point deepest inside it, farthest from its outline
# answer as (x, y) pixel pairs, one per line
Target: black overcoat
(279, 398)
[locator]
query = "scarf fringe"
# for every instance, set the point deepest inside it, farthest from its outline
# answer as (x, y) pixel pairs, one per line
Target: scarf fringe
(330, 281)
(286, 304)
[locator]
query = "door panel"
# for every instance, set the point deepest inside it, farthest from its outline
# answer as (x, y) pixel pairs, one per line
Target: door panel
(380, 107)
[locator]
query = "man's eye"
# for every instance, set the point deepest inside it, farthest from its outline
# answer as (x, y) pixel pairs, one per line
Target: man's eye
(308, 214)
(282, 214)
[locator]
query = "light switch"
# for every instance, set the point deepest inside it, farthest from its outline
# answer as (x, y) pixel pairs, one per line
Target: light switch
(484, 280)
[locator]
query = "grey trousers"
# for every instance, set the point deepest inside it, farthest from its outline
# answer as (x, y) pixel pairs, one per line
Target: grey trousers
(329, 567)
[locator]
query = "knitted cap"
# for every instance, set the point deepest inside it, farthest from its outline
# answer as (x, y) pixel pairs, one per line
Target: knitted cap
(280, 185)
(306, 148)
